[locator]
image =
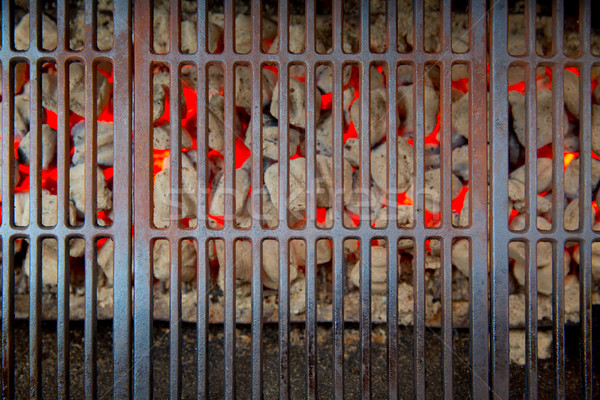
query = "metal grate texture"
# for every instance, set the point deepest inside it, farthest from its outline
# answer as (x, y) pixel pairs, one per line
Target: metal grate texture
(133, 319)
(501, 236)
(475, 58)
(120, 231)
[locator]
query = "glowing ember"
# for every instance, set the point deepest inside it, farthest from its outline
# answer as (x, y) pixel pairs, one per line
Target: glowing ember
(404, 200)
(242, 153)
(512, 216)
(431, 138)
(159, 157)
(461, 84)
(321, 215)
(596, 211)
(569, 157)
(326, 100)
(350, 132)
(459, 201)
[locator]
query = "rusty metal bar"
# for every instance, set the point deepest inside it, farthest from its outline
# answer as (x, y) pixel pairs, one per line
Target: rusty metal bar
(310, 245)
(122, 200)
(284, 287)
(311, 320)
(446, 323)
(8, 277)
(478, 146)
(256, 71)
(365, 205)
(585, 176)
(284, 315)
(498, 205)
(229, 176)
(175, 212)
(558, 282)
(175, 317)
(419, 207)
(90, 339)
(229, 321)
(419, 320)
(257, 303)
(339, 278)
(8, 306)
(62, 323)
(531, 298)
(142, 190)
(256, 204)
(203, 277)
(35, 277)
(392, 258)
(203, 274)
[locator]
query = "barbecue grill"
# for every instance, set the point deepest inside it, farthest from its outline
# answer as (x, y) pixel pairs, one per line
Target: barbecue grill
(133, 230)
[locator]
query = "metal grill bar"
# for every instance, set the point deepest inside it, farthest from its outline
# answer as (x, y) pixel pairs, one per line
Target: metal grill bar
(310, 246)
(585, 295)
(143, 327)
(35, 277)
(175, 151)
(8, 277)
(365, 205)
(558, 288)
(122, 200)
(478, 316)
(392, 258)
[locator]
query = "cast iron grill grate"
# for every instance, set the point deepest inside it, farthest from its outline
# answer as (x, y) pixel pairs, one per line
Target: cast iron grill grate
(133, 318)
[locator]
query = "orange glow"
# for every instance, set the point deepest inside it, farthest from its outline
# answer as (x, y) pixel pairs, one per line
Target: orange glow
(459, 201)
(51, 119)
(569, 157)
(242, 153)
(326, 100)
(220, 220)
(520, 86)
(272, 68)
(431, 219)
(321, 215)
(103, 216)
(354, 81)
(461, 84)
(191, 106)
(432, 138)
(159, 157)
(571, 69)
(596, 211)
(512, 215)
(350, 132)
(100, 242)
(517, 87)
(49, 178)
(404, 200)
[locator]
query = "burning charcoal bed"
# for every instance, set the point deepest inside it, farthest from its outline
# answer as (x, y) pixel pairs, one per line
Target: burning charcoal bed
(249, 170)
